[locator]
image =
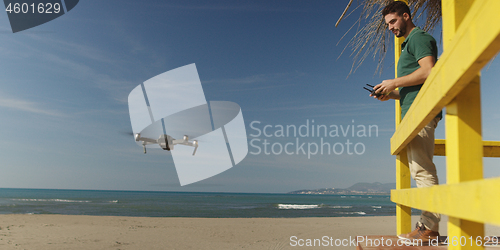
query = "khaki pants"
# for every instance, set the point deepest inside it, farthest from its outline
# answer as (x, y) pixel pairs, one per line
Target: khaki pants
(420, 153)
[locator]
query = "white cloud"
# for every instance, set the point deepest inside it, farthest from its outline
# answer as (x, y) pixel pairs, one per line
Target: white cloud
(27, 106)
(259, 78)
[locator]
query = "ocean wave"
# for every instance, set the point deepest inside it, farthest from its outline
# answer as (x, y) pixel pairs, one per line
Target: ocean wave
(376, 206)
(52, 200)
(296, 206)
(114, 201)
(360, 213)
(340, 206)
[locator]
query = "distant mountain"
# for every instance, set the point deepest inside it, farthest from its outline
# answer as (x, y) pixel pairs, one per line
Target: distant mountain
(358, 188)
(375, 187)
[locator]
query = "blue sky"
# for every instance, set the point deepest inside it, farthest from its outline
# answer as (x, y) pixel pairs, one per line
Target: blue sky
(65, 84)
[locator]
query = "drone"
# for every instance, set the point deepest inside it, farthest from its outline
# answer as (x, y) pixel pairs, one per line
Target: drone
(166, 142)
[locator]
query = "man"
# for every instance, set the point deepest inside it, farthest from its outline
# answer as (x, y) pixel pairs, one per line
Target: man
(418, 56)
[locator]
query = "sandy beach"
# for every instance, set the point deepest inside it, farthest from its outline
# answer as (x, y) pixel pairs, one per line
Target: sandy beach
(108, 232)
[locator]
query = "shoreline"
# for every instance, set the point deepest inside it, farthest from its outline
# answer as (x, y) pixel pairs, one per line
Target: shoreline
(35, 231)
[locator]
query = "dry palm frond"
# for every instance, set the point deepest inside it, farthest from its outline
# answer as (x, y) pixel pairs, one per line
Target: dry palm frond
(373, 37)
(343, 14)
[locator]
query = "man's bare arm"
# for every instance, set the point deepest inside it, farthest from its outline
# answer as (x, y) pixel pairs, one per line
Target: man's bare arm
(417, 77)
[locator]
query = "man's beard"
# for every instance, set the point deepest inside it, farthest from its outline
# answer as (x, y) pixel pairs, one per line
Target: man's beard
(402, 30)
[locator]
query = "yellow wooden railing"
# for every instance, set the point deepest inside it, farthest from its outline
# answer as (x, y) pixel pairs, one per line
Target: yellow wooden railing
(471, 38)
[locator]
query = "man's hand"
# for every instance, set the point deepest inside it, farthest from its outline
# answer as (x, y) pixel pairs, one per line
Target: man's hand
(391, 95)
(386, 87)
(381, 97)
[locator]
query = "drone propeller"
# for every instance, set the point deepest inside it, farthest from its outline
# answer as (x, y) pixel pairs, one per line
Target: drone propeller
(127, 133)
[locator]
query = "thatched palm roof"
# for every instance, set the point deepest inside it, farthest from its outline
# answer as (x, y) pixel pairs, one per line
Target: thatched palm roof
(372, 36)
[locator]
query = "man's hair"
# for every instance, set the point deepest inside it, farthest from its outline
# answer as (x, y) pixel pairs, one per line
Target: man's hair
(397, 7)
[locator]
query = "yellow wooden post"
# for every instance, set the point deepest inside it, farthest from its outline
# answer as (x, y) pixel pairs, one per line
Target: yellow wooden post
(464, 148)
(403, 178)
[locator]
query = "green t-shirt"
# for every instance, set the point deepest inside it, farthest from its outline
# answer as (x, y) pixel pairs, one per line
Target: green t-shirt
(416, 46)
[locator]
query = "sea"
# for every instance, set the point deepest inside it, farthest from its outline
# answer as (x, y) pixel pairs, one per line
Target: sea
(191, 204)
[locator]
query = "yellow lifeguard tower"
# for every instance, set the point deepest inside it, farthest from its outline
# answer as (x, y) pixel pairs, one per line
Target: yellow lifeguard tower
(471, 38)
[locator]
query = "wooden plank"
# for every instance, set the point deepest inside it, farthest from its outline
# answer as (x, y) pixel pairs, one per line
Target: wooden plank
(403, 181)
(464, 154)
(440, 147)
(490, 148)
(472, 200)
(403, 176)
